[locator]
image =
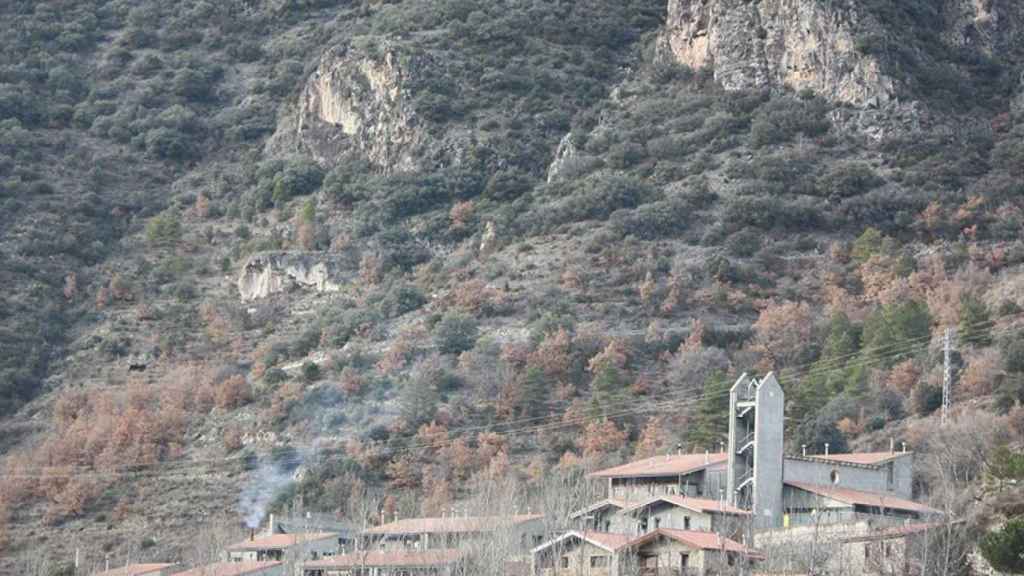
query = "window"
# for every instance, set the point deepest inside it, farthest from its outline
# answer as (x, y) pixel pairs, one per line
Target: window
(833, 476)
(684, 559)
(890, 474)
(867, 551)
(607, 525)
(657, 523)
(565, 561)
(686, 522)
(598, 561)
(643, 525)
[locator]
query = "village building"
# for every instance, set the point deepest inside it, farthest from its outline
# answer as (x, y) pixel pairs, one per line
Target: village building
(783, 490)
(284, 547)
(662, 551)
(692, 475)
(268, 568)
(141, 570)
(817, 504)
(293, 539)
(675, 512)
(446, 533)
(751, 494)
(846, 549)
(389, 563)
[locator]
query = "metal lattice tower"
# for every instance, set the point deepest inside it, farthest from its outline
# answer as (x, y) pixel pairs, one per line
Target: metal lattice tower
(947, 372)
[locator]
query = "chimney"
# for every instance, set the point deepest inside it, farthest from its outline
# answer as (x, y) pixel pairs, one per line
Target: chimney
(803, 448)
(892, 445)
(252, 534)
(721, 446)
(904, 447)
(270, 526)
(679, 448)
(707, 458)
(826, 448)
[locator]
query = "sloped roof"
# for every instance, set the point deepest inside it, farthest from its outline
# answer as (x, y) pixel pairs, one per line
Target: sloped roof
(391, 559)
(667, 465)
(695, 539)
(453, 524)
(606, 503)
(607, 540)
(281, 541)
(864, 458)
(230, 568)
(696, 504)
(862, 498)
(134, 570)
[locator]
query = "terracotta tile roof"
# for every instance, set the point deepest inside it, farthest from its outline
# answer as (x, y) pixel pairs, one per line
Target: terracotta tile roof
(669, 465)
(134, 570)
(280, 541)
(695, 504)
(695, 539)
(452, 525)
(862, 498)
(606, 503)
(865, 458)
(230, 569)
(383, 558)
(606, 540)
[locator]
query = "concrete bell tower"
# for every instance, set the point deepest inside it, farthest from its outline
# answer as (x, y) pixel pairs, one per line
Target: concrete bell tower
(754, 474)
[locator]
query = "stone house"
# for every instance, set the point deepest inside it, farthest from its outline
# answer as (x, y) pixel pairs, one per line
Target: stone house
(691, 475)
(448, 533)
(280, 547)
(267, 568)
(660, 552)
(389, 563)
(676, 512)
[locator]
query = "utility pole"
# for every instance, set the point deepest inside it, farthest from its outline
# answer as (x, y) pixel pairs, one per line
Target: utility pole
(947, 372)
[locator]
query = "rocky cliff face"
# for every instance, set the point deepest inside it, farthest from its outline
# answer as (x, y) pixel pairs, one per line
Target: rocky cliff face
(822, 46)
(992, 26)
(356, 100)
(800, 44)
(273, 272)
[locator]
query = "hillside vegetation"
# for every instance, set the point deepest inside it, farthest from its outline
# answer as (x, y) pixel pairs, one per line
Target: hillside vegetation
(583, 245)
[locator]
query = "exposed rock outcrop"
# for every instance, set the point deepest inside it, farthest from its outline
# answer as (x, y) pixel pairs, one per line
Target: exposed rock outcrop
(564, 154)
(800, 44)
(360, 99)
(828, 47)
(356, 100)
(991, 26)
(273, 272)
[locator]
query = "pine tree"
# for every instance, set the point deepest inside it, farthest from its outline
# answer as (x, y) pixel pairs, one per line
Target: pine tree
(607, 389)
(711, 426)
(974, 326)
(535, 392)
(1002, 548)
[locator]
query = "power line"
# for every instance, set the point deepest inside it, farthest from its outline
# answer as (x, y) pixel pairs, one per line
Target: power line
(510, 428)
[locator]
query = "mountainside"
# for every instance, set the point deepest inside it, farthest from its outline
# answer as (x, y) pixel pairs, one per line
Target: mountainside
(312, 254)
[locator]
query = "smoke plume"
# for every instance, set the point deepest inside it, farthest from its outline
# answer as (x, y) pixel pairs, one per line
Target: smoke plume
(264, 484)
